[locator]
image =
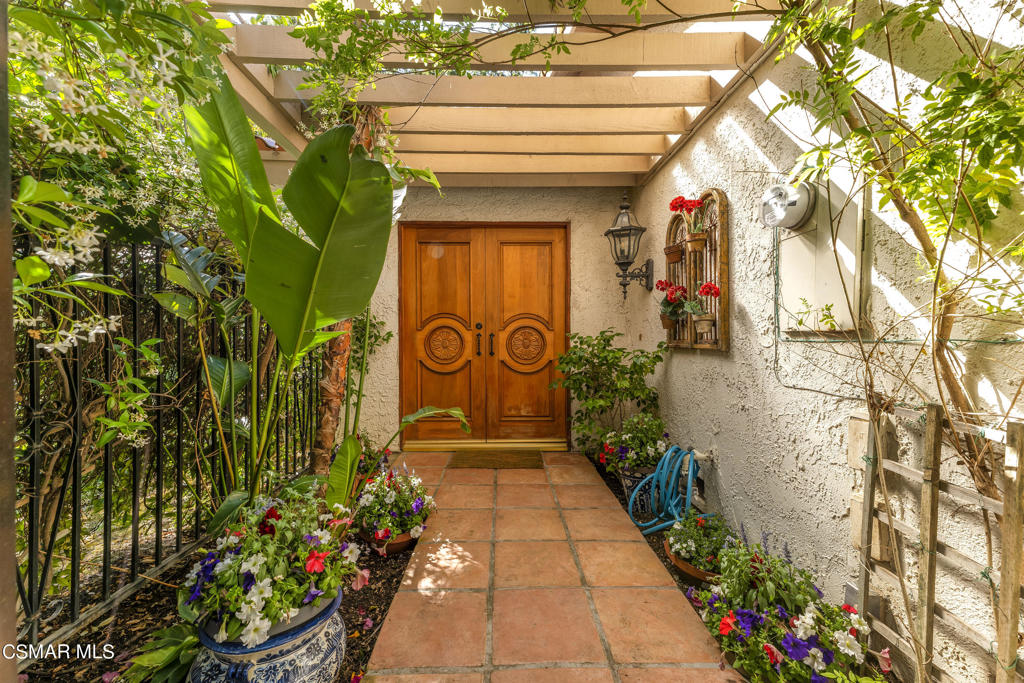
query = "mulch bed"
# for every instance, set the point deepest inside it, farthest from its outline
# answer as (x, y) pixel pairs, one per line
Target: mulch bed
(153, 607)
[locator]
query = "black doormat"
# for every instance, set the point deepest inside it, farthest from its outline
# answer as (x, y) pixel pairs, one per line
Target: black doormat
(498, 459)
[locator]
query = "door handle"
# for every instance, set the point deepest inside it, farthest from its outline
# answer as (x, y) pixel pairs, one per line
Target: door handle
(478, 335)
(492, 343)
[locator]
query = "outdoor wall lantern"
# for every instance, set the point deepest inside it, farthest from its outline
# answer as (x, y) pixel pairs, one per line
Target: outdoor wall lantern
(624, 237)
(787, 206)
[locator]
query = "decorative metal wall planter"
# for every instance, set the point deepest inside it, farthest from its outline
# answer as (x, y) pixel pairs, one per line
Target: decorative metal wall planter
(697, 251)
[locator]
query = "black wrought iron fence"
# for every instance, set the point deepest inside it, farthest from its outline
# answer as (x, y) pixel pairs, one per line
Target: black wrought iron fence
(114, 425)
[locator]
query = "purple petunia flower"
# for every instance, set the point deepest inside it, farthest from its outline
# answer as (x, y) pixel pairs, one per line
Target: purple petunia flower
(796, 649)
(818, 678)
(344, 546)
(417, 505)
(747, 620)
(248, 581)
(312, 539)
(312, 595)
(623, 450)
(818, 591)
(196, 592)
(781, 611)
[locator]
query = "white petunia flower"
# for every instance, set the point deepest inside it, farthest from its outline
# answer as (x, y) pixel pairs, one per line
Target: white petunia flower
(848, 645)
(815, 659)
(417, 531)
(261, 590)
(255, 632)
(859, 623)
(223, 541)
(252, 564)
(351, 553)
(251, 611)
(222, 632)
(365, 499)
(804, 626)
(224, 564)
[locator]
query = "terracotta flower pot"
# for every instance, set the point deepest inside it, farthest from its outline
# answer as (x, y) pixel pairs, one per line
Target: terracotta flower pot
(695, 241)
(705, 324)
(668, 322)
(392, 546)
(686, 567)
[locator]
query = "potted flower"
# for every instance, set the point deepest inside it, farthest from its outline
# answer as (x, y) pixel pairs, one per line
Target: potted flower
(704, 322)
(695, 542)
(696, 236)
(673, 304)
(773, 625)
(392, 511)
(266, 594)
(634, 452)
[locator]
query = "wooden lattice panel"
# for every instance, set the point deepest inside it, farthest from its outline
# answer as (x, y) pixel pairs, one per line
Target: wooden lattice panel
(692, 261)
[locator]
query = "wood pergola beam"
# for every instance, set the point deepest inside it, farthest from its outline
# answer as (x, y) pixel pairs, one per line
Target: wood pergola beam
(526, 163)
(254, 44)
(598, 11)
(641, 145)
(537, 121)
(263, 109)
(505, 91)
(536, 180)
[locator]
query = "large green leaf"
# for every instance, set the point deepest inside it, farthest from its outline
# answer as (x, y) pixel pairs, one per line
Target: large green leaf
(227, 512)
(32, 270)
(343, 203)
(343, 471)
(230, 164)
(226, 385)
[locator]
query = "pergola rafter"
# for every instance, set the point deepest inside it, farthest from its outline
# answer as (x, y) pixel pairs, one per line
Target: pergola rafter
(594, 119)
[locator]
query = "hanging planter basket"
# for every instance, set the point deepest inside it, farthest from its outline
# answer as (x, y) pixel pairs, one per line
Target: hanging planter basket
(687, 568)
(696, 241)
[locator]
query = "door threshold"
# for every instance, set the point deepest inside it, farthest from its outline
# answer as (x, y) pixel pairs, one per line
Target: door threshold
(479, 445)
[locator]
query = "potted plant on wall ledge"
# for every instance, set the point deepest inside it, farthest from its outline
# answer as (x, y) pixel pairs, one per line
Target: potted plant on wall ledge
(702, 320)
(673, 304)
(676, 305)
(696, 235)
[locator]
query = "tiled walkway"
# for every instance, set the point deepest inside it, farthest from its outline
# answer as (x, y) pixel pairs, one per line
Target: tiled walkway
(539, 576)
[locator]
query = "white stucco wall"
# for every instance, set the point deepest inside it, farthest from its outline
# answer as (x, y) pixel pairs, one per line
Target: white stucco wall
(595, 297)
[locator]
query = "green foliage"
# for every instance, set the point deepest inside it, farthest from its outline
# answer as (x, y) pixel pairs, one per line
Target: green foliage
(606, 381)
(700, 539)
(640, 442)
(393, 504)
(166, 657)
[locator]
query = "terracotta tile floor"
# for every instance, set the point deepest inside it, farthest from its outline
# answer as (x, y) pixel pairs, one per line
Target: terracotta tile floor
(537, 576)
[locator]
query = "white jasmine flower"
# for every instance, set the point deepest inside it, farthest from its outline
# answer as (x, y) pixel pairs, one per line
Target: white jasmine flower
(255, 632)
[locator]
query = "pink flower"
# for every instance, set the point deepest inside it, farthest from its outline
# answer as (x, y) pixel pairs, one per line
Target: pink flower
(362, 578)
(884, 661)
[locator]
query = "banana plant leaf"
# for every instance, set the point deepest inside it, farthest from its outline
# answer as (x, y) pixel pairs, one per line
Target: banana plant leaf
(343, 203)
(227, 384)
(230, 164)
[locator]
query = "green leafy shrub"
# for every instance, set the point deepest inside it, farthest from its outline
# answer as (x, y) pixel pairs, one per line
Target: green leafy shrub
(640, 443)
(606, 382)
(700, 540)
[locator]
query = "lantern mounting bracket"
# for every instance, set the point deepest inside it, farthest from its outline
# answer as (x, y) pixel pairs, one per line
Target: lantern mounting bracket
(644, 274)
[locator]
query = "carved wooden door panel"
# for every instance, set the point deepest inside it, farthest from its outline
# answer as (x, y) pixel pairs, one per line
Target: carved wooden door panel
(526, 326)
(441, 330)
(483, 320)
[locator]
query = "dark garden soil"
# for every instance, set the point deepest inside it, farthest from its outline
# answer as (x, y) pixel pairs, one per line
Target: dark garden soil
(129, 625)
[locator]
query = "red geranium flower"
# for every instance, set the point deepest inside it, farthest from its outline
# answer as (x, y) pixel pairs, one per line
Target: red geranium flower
(727, 624)
(849, 608)
(315, 561)
(709, 289)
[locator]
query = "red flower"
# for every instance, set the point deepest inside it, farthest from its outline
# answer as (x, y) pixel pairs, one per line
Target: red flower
(727, 624)
(853, 632)
(849, 608)
(315, 561)
(382, 534)
(709, 289)
(774, 656)
(677, 204)
(701, 521)
(884, 661)
(603, 458)
(266, 526)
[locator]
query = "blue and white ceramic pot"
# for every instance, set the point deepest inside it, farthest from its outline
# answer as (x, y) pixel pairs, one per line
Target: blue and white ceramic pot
(309, 649)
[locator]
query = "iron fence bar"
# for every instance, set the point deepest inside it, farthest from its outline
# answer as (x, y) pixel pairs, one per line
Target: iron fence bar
(108, 459)
(76, 483)
(32, 607)
(134, 359)
(158, 328)
(179, 438)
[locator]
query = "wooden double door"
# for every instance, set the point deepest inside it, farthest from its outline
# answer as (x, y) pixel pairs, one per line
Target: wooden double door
(483, 318)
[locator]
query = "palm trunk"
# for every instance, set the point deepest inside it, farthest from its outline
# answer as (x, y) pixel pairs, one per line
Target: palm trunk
(332, 396)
